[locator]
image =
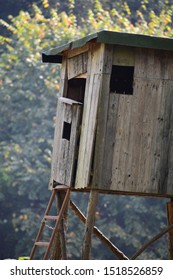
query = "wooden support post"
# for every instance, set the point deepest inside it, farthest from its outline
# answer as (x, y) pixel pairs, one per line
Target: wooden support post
(170, 222)
(90, 219)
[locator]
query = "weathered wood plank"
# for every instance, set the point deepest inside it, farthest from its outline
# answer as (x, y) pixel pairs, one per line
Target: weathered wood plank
(67, 112)
(103, 108)
(139, 159)
(125, 110)
(77, 65)
(146, 64)
(152, 102)
(110, 138)
(62, 161)
(153, 64)
(63, 74)
(101, 133)
(135, 140)
(73, 149)
(166, 140)
(56, 143)
(82, 76)
(88, 130)
(122, 148)
(124, 56)
(58, 127)
(77, 51)
(88, 134)
(108, 57)
(69, 101)
(81, 154)
(63, 78)
(144, 137)
(105, 161)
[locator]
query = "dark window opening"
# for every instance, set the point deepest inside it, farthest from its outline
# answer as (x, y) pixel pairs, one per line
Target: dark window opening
(92, 161)
(76, 89)
(66, 131)
(122, 79)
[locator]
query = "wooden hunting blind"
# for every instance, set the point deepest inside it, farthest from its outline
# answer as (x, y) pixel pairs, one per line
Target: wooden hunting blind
(114, 123)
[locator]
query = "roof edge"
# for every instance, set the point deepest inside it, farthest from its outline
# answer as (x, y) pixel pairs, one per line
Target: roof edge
(54, 55)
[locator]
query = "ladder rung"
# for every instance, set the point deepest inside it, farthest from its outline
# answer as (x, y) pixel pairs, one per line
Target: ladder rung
(42, 243)
(47, 217)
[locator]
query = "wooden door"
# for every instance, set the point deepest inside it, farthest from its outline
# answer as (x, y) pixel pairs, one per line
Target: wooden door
(64, 158)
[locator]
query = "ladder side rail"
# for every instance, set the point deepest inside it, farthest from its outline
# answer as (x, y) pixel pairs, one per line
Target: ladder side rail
(42, 225)
(64, 205)
(50, 203)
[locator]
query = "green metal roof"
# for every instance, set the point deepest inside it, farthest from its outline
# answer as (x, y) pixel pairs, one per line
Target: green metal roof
(109, 37)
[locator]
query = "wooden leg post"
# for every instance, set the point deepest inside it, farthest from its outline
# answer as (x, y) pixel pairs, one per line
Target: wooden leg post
(170, 221)
(90, 219)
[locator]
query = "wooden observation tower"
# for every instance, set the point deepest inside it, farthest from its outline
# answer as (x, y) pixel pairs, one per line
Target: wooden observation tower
(114, 123)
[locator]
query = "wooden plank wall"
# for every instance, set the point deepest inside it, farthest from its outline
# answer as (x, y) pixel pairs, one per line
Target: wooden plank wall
(64, 152)
(62, 92)
(137, 154)
(77, 65)
(144, 162)
(107, 120)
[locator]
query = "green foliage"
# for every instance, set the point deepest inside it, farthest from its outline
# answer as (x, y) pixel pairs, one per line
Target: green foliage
(29, 91)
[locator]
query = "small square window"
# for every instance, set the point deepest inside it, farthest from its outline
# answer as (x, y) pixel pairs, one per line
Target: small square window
(76, 89)
(66, 131)
(122, 79)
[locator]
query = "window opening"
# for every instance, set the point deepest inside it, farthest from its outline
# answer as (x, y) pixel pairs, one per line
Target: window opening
(122, 79)
(66, 131)
(76, 89)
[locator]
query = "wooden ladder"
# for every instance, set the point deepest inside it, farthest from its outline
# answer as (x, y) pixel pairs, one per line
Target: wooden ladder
(57, 218)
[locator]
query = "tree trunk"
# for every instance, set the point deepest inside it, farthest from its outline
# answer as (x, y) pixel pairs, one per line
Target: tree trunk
(90, 219)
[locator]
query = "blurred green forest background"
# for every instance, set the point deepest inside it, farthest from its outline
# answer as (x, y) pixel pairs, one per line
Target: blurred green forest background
(28, 95)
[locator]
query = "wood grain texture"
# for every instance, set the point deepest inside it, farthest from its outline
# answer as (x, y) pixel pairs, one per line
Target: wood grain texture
(123, 55)
(103, 107)
(135, 137)
(77, 65)
(96, 61)
(56, 145)
(142, 160)
(153, 64)
(55, 150)
(139, 158)
(64, 150)
(102, 126)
